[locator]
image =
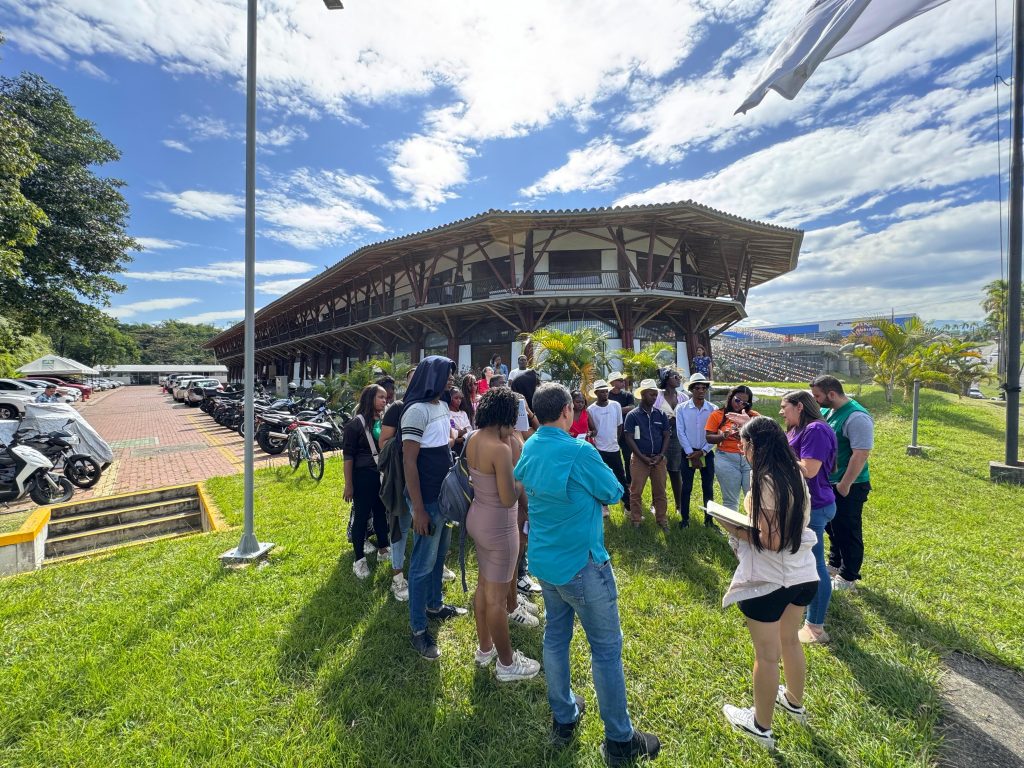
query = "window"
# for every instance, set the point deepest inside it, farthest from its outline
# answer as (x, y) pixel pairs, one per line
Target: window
(484, 279)
(575, 268)
(658, 265)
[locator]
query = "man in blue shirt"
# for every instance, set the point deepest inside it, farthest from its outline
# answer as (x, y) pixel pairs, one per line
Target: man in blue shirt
(647, 433)
(567, 483)
(698, 453)
(48, 395)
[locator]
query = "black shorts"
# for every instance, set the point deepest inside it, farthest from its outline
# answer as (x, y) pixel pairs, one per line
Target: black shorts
(769, 608)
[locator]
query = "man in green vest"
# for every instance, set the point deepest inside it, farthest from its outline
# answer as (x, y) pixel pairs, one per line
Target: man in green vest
(855, 431)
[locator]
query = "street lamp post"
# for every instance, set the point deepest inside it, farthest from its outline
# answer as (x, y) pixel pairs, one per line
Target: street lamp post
(250, 549)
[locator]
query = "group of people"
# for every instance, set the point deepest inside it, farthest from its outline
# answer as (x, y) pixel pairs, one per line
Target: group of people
(545, 467)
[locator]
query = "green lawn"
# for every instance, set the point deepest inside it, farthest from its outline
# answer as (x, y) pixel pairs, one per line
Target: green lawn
(158, 656)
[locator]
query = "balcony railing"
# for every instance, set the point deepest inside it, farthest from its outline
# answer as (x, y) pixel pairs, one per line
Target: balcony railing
(537, 284)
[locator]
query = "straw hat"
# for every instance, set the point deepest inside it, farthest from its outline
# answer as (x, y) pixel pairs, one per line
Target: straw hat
(697, 378)
(599, 384)
(645, 384)
(616, 375)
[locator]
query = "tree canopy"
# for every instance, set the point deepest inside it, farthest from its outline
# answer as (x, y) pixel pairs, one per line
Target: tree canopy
(172, 341)
(56, 273)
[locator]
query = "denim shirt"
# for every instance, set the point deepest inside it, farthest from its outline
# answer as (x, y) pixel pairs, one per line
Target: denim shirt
(566, 483)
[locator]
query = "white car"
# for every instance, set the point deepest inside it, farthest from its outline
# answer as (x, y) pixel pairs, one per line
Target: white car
(975, 393)
(181, 386)
(72, 395)
(29, 388)
(194, 397)
(12, 405)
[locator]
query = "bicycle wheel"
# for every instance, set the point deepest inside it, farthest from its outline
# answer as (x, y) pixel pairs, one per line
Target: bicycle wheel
(316, 460)
(294, 451)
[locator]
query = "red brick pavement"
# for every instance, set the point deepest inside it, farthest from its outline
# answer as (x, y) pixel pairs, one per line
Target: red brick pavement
(158, 442)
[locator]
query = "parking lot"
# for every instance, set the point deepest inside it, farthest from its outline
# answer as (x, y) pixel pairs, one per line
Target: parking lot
(157, 442)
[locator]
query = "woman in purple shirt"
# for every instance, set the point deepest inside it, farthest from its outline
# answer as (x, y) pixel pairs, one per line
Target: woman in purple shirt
(814, 444)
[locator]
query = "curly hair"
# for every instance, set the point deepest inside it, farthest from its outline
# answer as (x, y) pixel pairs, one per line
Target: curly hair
(498, 407)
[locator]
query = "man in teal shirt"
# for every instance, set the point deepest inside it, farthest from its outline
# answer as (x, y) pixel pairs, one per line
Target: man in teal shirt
(567, 483)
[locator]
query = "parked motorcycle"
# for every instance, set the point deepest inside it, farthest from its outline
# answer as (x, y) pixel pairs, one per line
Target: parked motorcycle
(25, 471)
(58, 447)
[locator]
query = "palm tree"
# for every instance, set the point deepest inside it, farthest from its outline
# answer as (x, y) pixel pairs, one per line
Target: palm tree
(896, 354)
(334, 389)
(397, 367)
(573, 358)
(964, 364)
(645, 364)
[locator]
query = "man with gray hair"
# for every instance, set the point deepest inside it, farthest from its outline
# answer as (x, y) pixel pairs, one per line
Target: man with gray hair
(567, 482)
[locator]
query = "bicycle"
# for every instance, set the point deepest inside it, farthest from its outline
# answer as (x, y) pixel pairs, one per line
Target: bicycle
(300, 448)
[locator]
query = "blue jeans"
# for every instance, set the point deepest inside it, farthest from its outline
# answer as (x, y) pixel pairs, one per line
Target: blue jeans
(819, 605)
(426, 568)
(398, 545)
(592, 595)
(733, 473)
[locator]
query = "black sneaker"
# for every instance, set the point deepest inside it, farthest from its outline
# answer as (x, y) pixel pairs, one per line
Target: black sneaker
(643, 746)
(446, 612)
(684, 523)
(709, 522)
(425, 646)
(563, 733)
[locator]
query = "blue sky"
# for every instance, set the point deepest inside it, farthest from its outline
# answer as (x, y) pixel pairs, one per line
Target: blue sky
(390, 117)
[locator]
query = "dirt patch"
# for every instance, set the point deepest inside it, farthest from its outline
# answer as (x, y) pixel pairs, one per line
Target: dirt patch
(983, 724)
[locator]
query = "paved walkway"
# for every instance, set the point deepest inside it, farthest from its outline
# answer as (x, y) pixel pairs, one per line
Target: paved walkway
(158, 442)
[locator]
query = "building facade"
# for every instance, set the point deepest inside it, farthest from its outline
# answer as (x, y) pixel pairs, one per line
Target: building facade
(677, 272)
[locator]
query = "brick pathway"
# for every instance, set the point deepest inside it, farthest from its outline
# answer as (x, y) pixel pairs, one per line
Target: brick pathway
(158, 442)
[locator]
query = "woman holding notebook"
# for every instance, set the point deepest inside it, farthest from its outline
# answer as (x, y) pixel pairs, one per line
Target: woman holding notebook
(775, 579)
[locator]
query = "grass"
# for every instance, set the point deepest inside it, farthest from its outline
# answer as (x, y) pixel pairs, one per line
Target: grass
(158, 656)
(12, 521)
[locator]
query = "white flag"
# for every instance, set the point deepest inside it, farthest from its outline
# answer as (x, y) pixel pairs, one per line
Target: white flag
(829, 29)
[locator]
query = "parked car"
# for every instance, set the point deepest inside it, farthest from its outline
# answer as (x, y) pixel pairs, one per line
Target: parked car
(198, 389)
(181, 386)
(34, 388)
(975, 393)
(12, 404)
(83, 388)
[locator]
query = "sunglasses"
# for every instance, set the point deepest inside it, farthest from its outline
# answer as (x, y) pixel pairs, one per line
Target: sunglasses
(740, 400)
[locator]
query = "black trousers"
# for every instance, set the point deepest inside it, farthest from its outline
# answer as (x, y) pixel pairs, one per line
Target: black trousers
(627, 454)
(614, 461)
(707, 483)
(846, 532)
(366, 504)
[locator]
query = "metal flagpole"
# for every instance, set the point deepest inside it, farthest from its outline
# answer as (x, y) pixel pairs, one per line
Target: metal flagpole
(1012, 470)
(249, 549)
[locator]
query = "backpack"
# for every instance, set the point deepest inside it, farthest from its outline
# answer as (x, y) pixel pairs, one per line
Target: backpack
(454, 501)
(391, 462)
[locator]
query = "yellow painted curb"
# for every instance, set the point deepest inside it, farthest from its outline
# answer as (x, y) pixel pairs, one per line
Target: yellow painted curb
(29, 529)
(210, 508)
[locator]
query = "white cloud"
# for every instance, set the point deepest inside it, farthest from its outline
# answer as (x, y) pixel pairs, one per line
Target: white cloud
(216, 317)
(280, 287)
(427, 167)
(281, 136)
(158, 244)
(926, 144)
(180, 146)
(150, 305)
(219, 271)
(935, 265)
(92, 70)
(594, 167)
(207, 127)
(199, 204)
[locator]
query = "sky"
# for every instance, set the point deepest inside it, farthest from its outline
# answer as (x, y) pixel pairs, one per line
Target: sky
(393, 116)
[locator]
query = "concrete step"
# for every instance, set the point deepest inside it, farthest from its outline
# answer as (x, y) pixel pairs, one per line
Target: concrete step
(112, 549)
(105, 503)
(83, 541)
(88, 521)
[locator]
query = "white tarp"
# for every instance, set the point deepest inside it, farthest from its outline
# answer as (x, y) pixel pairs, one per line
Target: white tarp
(47, 417)
(829, 29)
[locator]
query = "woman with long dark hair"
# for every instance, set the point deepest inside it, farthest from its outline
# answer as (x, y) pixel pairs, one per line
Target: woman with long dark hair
(582, 424)
(461, 424)
(775, 579)
(814, 444)
(723, 431)
(362, 478)
(492, 521)
(470, 396)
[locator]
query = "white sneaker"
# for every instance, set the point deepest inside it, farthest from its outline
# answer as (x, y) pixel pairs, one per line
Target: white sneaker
(523, 616)
(447, 574)
(521, 668)
(361, 568)
(743, 721)
(839, 584)
(528, 586)
(533, 608)
(797, 713)
(400, 587)
(369, 547)
(483, 658)
(384, 556)
(832, 571)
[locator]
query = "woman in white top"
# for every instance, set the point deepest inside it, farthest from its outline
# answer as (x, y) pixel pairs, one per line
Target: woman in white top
(776, 577)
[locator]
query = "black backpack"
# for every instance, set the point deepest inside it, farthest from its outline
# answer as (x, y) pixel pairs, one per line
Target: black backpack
(454, 500)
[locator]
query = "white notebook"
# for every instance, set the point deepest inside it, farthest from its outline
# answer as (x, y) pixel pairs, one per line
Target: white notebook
(726, 515)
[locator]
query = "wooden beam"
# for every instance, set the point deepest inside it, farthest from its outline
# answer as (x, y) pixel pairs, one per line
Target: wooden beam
(494, 269)
(537, 257)
(725, 266)
(650, 258)
(618, 317)
(500, 316)
(448, 322)
(620, 248)
(654, 313)
(547, 306)
(668, 262)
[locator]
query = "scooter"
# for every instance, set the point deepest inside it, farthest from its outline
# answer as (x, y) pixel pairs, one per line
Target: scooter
(25, 471)
(83, 471)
